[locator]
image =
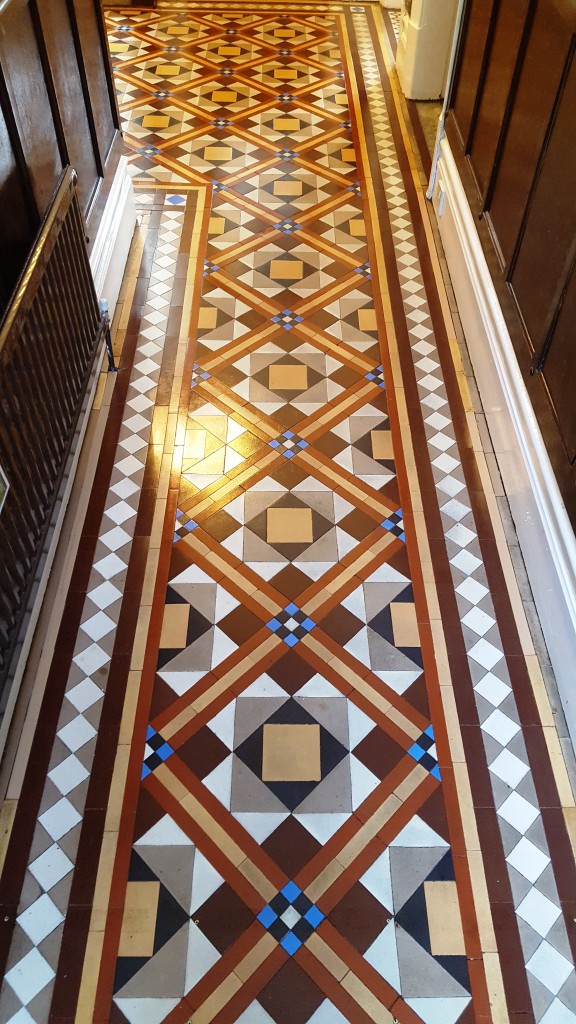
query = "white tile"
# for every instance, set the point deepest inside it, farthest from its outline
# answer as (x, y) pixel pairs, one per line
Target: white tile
(28, 977)
(22, 1017)
(146, 366)
(539, 912)
(50, 867)
(437, 420)
(478, 621)
(460, 535)
(98, 625)
(470, 589)
(59, 819)
(129, 465)
(104, 595)
(140, 403)
(450, 485)
(254, 1014)
(445, 463)
(40, 919)
(290, 917)
(432, 401)
(84, 695)
(518, 812)
(151, 348)
(120, 513)
(528, 860)
(325, 1014)
(115, 538)
(109, 566)
(466, 562)
(500, 727)
(442, 442)
(509, 768)
(125, 488)
(455, 509)
(134, 443)
(143, 385)
(68, 774)
(558, 1013)
(136, 423)
(550, 967)
(92, 659)
(492, 689)
(76, 733)
(485, 654)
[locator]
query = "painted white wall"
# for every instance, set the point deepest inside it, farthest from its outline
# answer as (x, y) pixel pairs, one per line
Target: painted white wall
(544, 531)
(424, 47)
(114, 236)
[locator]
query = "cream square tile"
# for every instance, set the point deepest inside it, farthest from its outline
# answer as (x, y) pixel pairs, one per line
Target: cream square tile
(289, 526)
(291, 753)
(287, 377)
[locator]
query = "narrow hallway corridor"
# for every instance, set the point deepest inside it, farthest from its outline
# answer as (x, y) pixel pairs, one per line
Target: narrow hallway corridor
(295, 762)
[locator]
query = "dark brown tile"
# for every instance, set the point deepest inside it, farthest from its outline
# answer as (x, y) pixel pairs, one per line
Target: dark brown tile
(223, 918)
(291, 997)
(359, 917)
(291, 846)
(202, 752)
(379, 752)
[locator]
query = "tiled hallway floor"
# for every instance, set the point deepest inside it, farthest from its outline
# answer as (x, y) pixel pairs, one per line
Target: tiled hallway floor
(296, 763)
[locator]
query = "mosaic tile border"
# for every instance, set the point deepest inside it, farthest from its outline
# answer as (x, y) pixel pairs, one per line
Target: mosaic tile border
(541, 925)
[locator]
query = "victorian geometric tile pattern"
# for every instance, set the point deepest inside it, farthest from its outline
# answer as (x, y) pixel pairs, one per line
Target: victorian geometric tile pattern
(286, 839)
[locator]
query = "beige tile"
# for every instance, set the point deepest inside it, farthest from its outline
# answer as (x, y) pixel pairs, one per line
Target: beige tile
(218, 153)
(139, 920)
(168, 70)
(291, 753)
(195, 444)
(404, 624)
(286, 270)
(174, 626)
(229, 51)
(357, 228)
(288, 377)
(252, 961)
(155, 121)
(215, 1002)
(372, 1006)
(224, 96)
(381, 444)
(257, 879)
(327, 956)
(285, 74)
(284, 33)
(444, 921)
(288, 188)
(348, 155)
(216, 226)
(286, 124)
(289, 526)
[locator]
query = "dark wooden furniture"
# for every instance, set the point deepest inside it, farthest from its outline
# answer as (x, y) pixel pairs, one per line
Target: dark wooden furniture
(57, 108)
(512, 128)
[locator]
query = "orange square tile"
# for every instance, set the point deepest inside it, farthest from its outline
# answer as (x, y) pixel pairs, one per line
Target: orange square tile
(288, 377)
(381, 444)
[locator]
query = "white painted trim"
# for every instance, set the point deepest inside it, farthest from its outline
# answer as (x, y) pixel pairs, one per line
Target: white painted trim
(544, 531)
(114, 237)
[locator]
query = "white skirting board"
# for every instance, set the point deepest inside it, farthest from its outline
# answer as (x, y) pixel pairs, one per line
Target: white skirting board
(544, 532)
(114, 236)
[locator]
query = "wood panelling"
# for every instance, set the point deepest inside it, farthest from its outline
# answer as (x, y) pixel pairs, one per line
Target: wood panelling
(57, 108)
(474, 45)
(101, 104)
(513, 125)
(63, 60)
(544, 255)
(559, 368)
(538, 84)
(18, 227)
(28, 93)
(493, 97)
